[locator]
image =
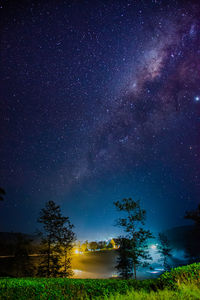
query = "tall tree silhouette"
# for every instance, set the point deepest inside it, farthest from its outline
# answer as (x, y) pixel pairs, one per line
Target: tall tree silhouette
(66, 243)
(53, 233)
(192, 246)
(124, 261)
(133, 222)
(164, 250)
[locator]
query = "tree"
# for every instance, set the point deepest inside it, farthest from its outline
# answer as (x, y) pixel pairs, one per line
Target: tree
(53, 235)
(2, 194)
(79, 246)
(124, 261)
(66, 241)
(110, 245)
(164, 250)
(194, 215)
(87, 245)
(101, 244)
(192, 246)
(137, 248)
(84, 246)
(93, 246)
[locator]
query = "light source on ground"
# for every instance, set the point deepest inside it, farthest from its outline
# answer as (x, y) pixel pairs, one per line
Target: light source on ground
(153, 247)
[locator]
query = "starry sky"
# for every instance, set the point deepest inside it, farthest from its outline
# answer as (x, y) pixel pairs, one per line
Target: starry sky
(99, 100)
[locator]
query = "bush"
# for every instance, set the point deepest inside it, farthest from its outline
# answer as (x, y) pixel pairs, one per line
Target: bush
(181, 275)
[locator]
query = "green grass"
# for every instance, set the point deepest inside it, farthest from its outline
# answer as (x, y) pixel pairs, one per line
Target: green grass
(184, 292)
(180, 283)
(60, 288)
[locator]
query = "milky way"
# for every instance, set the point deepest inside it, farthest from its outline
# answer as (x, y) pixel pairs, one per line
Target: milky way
(99, 102)
(157, 97)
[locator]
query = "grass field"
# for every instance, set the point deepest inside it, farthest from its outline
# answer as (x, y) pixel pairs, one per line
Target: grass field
(180, 283)
(184, 292)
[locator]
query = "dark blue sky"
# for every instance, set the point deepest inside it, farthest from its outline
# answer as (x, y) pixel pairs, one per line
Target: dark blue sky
(100, 100)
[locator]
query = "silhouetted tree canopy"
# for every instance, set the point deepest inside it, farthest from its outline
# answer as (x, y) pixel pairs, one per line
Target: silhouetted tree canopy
(164, 250)
(2, 194)
(135, 238)
(57, 237)
(192, 247)
(194, 215)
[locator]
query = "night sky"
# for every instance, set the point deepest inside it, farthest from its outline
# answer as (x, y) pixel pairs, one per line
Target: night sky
(99, 100)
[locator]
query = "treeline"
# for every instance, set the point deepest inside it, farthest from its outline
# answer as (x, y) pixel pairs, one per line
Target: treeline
(96, 245)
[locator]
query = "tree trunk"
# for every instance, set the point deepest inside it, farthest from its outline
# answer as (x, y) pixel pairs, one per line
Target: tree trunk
(65, 261)
(48, 257)
(134, 268)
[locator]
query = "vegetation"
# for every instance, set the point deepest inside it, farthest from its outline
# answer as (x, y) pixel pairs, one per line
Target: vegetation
(57, 238)
(56, 246)
(184, 292)
(134, 249)
(84, 246)
(192, 251)
(58, 287)
(180, 283)
(124, 266)
(194, 216)
(96, 245)
(189, 274)
(2, 194)
(66, 245)
(93, 246)
(164, 250)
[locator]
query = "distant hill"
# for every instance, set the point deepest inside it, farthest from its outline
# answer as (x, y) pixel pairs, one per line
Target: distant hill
(8, 240)
(181, 236)
(11, 237)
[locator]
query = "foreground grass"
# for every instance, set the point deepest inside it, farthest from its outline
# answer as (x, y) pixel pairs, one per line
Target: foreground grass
(184, 292)
(63, 288)
(180, 283)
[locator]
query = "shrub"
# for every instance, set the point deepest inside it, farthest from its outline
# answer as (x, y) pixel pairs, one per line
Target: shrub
(181, 275)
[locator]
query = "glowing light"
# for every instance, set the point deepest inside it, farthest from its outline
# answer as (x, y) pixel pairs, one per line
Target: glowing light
(152, 272)
(197, 98)
(153, 247)
(77, 271)
(76, 251)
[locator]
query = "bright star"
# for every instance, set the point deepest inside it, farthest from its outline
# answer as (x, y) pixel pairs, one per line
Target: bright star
(197, 98)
